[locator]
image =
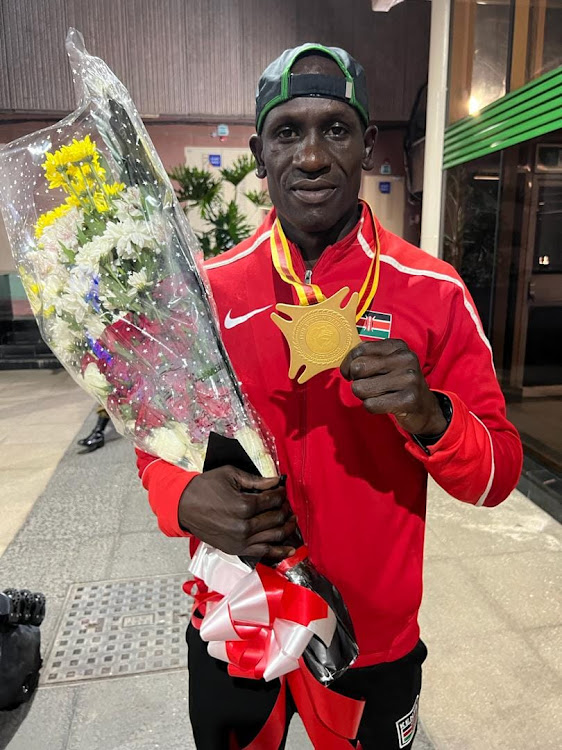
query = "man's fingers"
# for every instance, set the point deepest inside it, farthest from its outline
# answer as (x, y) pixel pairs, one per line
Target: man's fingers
(271, 552)
(379, 385)
(370, 350)
(245, 481)
(264, 501)
(401, 403)
(274, 534)
(272, 519)
(368, 366)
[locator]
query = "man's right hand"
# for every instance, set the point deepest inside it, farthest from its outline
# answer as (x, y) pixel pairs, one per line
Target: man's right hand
(219, 508)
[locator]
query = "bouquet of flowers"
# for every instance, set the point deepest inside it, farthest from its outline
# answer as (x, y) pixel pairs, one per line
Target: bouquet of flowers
(113, 273)
(105, 257)
(126, 317)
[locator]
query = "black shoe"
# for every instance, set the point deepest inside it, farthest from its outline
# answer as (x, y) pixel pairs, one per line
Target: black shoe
(95, 439)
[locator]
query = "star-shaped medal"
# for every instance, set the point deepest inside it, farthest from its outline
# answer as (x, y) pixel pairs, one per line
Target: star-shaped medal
(319, 335)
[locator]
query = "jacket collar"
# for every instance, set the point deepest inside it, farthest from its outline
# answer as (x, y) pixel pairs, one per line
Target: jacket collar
(361, 237)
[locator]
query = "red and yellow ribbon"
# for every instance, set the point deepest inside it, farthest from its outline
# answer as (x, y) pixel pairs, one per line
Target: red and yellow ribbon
(311, 294)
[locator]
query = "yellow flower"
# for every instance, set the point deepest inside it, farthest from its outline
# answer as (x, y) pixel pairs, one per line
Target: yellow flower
(80, 171)
(101, 200)
(79, 185)
(79, 151)
(114, 189)
(74, 200)
(32, 290)
(49, 217)
(66, 162)
(55, 170)
(76, 169)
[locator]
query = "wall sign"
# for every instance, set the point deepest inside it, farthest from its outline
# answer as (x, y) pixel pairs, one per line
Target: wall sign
(386, 168)
(385, 187)
(215, 160)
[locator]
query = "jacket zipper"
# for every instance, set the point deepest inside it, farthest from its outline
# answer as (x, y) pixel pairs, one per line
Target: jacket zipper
(303, 464)
(307, 280)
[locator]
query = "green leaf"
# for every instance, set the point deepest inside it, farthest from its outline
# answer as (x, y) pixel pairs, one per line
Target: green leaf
(127, 412)
(69, 254)
(230, 227)
(199, 188)
(259, 198)
(196, 186)
(83, 238)
(207, 246)
(240, 169)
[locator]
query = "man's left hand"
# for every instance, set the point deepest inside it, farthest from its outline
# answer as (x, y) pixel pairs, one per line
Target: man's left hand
(388, 379)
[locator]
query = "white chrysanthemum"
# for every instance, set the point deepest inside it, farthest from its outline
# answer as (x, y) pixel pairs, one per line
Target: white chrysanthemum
(53, 287)
(172, 443)
(92, 253)
(130, 237)
(64, 229)
(46, 259)
(62, 337)
(95, 382)
(138, 280)
(73, 299)
(129, 205)
(94, 326)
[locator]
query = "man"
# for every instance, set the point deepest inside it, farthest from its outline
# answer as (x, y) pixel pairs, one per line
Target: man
(418, 396)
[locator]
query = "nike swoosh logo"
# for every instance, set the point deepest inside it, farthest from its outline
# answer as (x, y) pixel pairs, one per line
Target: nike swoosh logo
(230, 322)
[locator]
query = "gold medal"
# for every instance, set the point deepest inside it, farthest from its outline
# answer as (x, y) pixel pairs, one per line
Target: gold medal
(319, 331)
(319, 336)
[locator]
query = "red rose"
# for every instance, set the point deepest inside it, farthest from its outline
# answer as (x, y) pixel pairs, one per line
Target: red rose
(123, 333)
(148, 418)
(86, 360)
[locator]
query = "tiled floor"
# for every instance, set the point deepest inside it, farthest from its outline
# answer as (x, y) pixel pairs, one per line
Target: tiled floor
(492, 615)
(492, 618)
(39, 414)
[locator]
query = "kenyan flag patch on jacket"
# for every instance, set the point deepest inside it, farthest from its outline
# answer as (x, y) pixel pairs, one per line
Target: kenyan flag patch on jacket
(374, 325)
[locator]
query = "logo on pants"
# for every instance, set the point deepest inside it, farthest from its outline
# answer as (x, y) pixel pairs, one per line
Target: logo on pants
(406, 726)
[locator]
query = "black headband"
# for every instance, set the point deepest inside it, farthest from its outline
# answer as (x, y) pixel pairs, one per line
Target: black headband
(319, 84)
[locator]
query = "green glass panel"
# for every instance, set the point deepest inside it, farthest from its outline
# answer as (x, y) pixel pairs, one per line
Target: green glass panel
(546, 83)
(496, 117)
(531, 111)
(525, 135)
(519, 124)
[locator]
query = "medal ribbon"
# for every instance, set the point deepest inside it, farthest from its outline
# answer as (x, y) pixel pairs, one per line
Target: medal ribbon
(311, 294)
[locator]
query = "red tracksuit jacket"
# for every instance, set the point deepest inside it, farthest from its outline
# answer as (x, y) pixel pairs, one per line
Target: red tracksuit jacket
(356, 481)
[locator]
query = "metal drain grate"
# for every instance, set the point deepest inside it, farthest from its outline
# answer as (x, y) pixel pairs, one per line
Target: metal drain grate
(117, 628)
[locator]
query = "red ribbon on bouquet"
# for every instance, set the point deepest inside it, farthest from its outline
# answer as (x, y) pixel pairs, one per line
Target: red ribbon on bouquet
(259, 625)
(331, 720)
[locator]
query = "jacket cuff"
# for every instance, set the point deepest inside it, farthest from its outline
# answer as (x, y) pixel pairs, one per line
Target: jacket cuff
(451, 438)
(426, 441)
(165, 484)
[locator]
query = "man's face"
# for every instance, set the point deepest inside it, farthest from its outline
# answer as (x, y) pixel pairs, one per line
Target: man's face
(313, 151)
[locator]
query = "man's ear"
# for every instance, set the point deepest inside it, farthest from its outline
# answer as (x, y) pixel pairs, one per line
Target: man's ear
(256, 147)
(370, 139)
